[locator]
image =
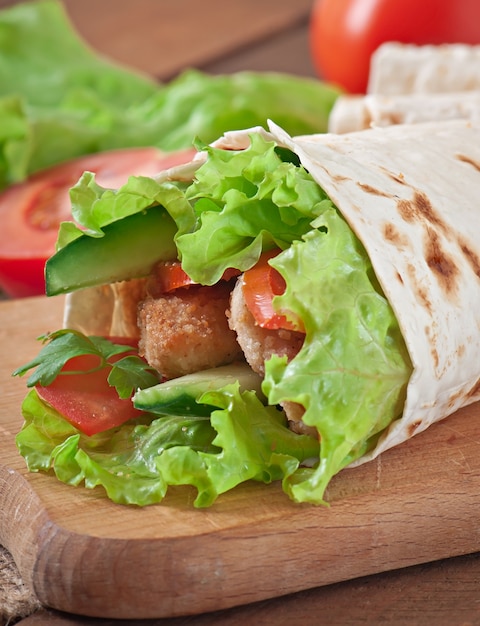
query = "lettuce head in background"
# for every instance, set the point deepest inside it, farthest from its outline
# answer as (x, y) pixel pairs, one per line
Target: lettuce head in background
(60, 99)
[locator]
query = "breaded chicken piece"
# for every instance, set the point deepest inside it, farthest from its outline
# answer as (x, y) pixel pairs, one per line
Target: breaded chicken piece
(187, 331)
(259, 344)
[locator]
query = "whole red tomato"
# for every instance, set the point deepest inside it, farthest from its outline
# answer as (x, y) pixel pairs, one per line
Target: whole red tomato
(345, 33)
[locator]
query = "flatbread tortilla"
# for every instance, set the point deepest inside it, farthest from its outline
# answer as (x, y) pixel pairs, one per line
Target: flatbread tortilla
(397, 68)
(353, 113)
(410, 193)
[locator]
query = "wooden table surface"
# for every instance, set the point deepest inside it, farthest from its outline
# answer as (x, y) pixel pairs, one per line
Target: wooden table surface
(161, 38)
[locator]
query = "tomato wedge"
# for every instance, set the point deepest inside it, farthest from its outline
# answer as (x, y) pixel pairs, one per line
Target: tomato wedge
(169, 276)
(85, 399)
(261, 284)
(31, 211)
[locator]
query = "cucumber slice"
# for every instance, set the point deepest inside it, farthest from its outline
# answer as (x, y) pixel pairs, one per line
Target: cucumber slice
(129, 249)
(180, 395)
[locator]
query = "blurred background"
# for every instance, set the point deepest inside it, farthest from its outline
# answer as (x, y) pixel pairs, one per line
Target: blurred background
(161, 37)
(53, 81)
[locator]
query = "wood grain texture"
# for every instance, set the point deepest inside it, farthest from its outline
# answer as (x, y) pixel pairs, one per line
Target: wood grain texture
(417, 503)
(181, 34)
(444, 593)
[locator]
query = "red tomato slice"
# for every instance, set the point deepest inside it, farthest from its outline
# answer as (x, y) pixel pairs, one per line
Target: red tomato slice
(345, 33)
(169, 276)
(31, 211)
(261, 284)
(86, 400)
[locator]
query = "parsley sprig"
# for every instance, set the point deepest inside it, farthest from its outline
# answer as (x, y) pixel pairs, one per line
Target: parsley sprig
(126, 374)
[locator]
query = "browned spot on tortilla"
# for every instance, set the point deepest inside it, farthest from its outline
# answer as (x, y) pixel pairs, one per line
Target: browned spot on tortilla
(413, 427)
(399, 277)
(461, 350)
(373, 190)
(398, 178)
(472, 257)
(475, 390)
(454, 399)
(394, 118)
(411, 272)
(441, 264)
(356, 208)
(339, 179)
(421, 293)
(420, 209)
(394, 236)
(406, 210)
(457, 399)
(432, 338)
(425, 209)
(465, 159)
(422, 296)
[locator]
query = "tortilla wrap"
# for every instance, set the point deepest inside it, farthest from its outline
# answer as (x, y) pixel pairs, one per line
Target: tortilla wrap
(397, 68)
(410, 193)
(353, 113)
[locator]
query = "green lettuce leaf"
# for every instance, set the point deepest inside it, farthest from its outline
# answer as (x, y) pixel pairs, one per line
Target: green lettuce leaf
(245, 202)
(352, 371)
(242, 202)
(137, 462)
(60, 99)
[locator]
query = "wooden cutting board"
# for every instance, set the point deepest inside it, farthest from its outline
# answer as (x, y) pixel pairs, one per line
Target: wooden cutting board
(83, 554)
